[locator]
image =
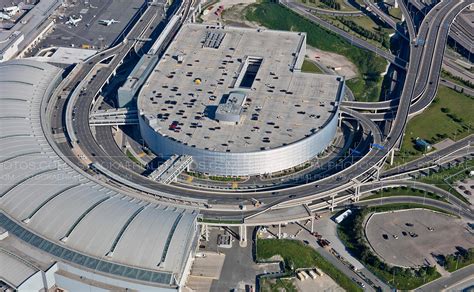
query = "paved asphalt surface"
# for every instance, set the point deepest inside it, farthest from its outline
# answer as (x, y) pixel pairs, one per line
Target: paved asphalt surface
(302, 10)
(327, 185)
(456, 205)
(455, 69)
(457, 87)
(448, 10)
(424, 67)
(340, 265)
(430, 158)
(417, 200)
(446, 282)
(298, 194)
(333, 12)
(391, 176)
(461, 36)
(382, 15)
(429, 69)
(408, 20)
(346, 270)
(430, 75)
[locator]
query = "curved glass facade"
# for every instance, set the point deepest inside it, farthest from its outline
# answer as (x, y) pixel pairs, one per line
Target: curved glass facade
(244, 163)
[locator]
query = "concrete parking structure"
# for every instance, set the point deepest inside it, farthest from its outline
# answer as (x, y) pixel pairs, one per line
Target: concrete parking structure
(229, 98)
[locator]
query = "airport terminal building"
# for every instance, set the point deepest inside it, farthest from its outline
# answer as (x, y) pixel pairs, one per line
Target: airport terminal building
(72, 225)
(238, 104)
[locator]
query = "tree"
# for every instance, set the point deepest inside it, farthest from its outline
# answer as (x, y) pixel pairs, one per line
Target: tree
(431, 270)
(422, 272)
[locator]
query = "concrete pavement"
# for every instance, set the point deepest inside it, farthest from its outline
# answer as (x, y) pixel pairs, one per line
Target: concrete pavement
(444, 283)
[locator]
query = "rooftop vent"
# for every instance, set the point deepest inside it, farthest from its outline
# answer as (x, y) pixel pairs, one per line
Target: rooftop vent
(213, 39)
(231, 109)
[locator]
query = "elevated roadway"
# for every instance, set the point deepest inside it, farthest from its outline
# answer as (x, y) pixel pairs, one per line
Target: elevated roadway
(93, 150)
(375, 9)
(373, 186)
(301, 10)
(418, 4)
(430, 65)
(419, 200)
(345, 178)
(460, 31)
(462, 146)
(430, 78)
(370, 6)
(461, 34)
(457, 87)
(429, 56)
(403, 4)
(455, 69)
(332, 12)
(437, 24)
(393, 103)
(326, 187)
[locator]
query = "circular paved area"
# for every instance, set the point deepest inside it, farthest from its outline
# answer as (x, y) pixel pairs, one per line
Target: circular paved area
(401, 249)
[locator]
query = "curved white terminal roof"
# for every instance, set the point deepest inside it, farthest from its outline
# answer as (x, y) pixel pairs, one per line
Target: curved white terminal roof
(52, 206)
(13, 270)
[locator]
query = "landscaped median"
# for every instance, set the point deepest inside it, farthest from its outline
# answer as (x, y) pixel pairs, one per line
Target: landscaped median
(460, 260)
(401, 192)
(133, 158)
(445, 179)
(296, 255)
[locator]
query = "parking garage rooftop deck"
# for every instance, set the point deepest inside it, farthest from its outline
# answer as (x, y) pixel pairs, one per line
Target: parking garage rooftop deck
(206, 65)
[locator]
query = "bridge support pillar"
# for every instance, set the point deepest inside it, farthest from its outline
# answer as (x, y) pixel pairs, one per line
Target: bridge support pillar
(243, 235)
(199, 8)
(395, 4)
(312, 224)
(339, 120)
(357, 193)
(205, 232)
(333, 204)
(193, 17)
(392, 155)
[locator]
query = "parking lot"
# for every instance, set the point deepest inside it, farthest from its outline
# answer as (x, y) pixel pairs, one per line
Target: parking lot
(409, 238)
(88, 32)
(7, 24)
(466, 188)
(234, 267)
(206, 268)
